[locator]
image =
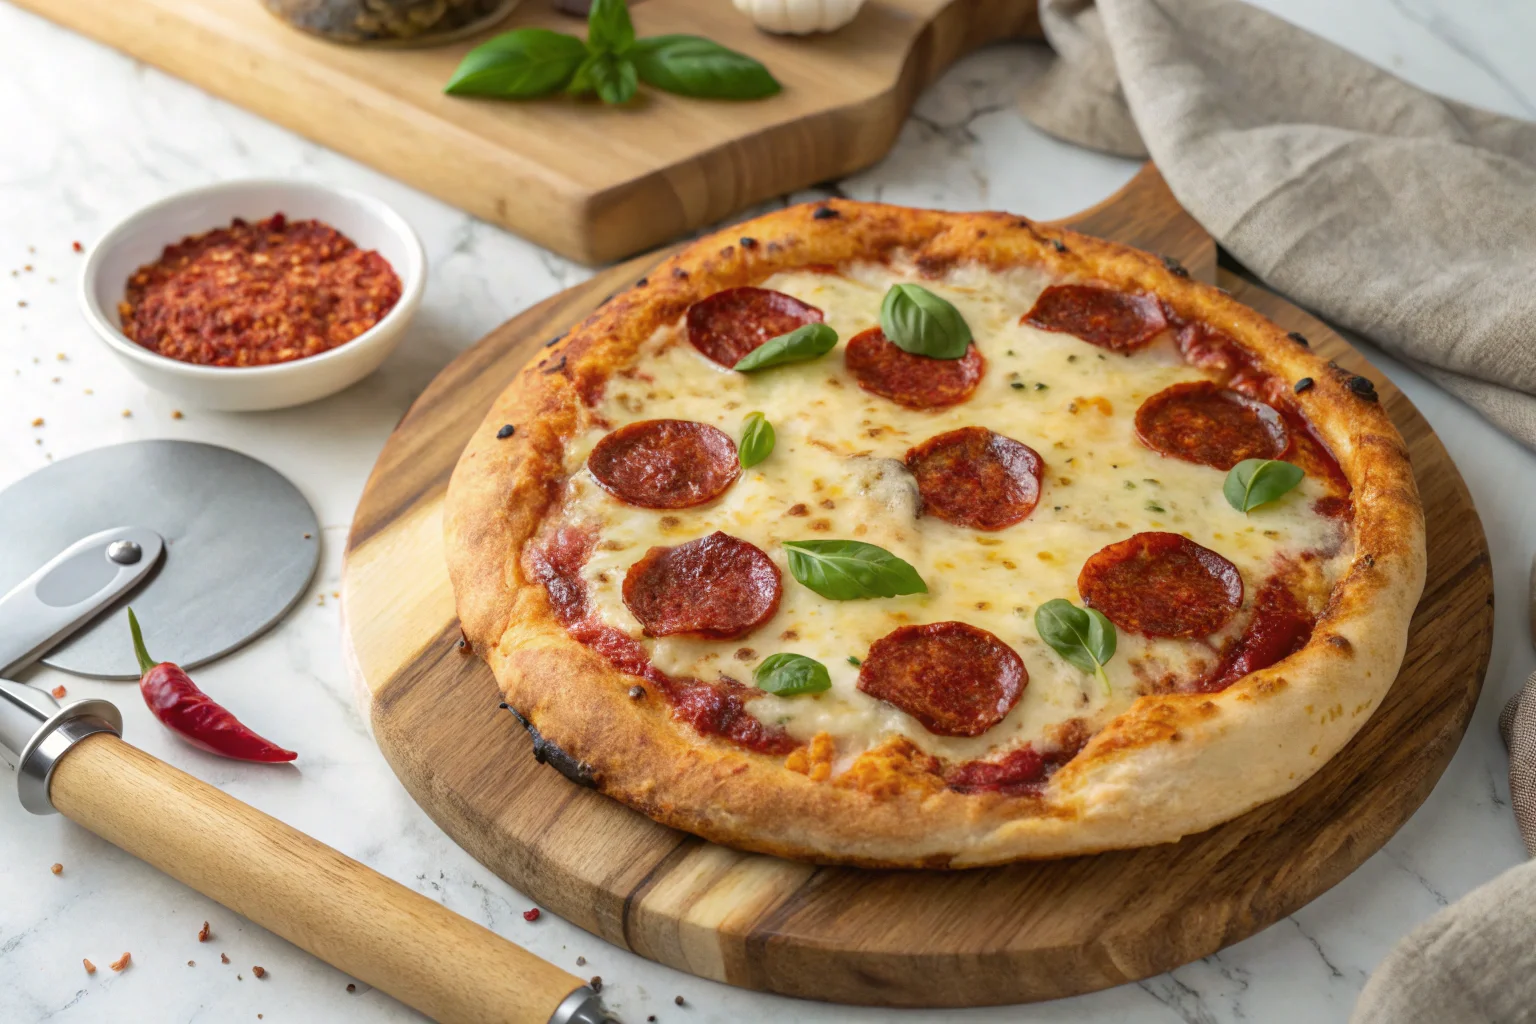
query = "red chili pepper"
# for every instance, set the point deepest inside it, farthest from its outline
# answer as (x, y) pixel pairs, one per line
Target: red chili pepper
(182, 707)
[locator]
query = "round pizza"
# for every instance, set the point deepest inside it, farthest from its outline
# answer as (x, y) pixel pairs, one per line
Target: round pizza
(902, 538)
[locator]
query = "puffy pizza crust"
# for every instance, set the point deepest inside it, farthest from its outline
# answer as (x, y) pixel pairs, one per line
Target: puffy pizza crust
(1171, 765)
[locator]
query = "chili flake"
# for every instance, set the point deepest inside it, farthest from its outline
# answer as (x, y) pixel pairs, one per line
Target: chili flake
(121, 962)
(256, 294)
(531, 915)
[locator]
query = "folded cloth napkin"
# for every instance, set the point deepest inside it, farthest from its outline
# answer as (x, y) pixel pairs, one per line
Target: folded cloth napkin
(1403, 216)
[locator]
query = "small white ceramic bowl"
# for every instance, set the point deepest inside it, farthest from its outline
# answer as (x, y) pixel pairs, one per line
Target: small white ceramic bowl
(140, 238)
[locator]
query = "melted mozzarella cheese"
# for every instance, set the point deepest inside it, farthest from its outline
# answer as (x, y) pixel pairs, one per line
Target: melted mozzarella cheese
(837, 472)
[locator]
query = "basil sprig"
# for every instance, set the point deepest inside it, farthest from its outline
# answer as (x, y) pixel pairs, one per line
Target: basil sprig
(757, 440)
(611, 63)
(1255, 482)
(1083, 636)
(789, 675)
(918, 321)
(809, 341)
(843, 570)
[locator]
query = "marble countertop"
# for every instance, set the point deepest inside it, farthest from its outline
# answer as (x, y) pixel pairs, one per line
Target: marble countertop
(90, 135)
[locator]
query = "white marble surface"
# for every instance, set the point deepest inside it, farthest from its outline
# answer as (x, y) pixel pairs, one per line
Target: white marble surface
(87, 135)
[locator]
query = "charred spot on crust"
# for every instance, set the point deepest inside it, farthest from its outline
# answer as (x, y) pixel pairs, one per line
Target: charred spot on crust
(1303, 384)
(552, 342)
(747, 243)
(1368, 560)
(1334, 640)
(547, 752)
(934, 266)
(825, 213)
(1059, 245)
(1300, 339)
(558, 367)
(636, 692)
(642, 282)
(680, 273)
(1363, 387)
(506, 431)
(1174, 267)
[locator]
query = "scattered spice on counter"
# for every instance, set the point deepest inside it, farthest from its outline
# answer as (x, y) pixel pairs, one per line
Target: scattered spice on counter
(256, 294)
(581, 961)
(191, 963)
(204, 933)
(127, 414)
(260, 972)
(596, 983)
(57, 869)
(121, 962)
(678, 1000)
(90, 968)
(37, 422)
(178, 703)
(77, 246)
(176, 414)
(58, 692)
(351, 987)
(27, 268)
(650, 1018)
(22, 303)
(531, 915)
(223, 958)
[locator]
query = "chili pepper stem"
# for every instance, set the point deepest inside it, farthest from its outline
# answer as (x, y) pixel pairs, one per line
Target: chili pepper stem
(145, 661)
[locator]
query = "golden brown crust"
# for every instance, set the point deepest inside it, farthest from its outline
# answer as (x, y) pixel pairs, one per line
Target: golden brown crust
(1163, 769)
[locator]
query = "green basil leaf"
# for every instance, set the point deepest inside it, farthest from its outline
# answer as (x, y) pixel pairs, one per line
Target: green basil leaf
(790, 675)
(843, 570)
(1083, 636)
(918, 321)
(1255, 482)
(528, 62)
(757, 440)
(810, 341)
(695, 66)
(612, 78)
(609, 29)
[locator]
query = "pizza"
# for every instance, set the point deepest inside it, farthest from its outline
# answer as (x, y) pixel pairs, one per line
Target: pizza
(900, 538)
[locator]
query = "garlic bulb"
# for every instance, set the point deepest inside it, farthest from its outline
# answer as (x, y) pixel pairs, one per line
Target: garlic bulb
(799, 17)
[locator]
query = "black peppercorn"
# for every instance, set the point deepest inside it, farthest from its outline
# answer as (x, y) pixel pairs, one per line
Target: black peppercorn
(506, 431)
(1363, 387)
(824, 213)
(1175, 267)
(1300, 339)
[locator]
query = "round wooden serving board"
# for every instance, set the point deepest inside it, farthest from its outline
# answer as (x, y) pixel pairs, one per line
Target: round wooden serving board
(1025, 932)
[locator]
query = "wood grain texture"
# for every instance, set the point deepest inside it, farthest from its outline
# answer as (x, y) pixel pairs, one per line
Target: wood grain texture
(591, 182)
(1010, 934)
(348, 915)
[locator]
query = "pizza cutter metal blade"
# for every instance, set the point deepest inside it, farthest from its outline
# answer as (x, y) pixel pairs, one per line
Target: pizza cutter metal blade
(241, 545)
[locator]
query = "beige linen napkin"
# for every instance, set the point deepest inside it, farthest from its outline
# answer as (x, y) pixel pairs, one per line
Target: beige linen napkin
(1406, 217)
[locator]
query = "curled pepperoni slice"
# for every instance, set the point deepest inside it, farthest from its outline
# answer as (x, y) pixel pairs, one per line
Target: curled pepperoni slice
(917, 382)
(729, 324)
(1202, 422)
(1162, 584)
(1116, 320)
(665, 463)
(973, 477)
(955, 679)
(717, 587)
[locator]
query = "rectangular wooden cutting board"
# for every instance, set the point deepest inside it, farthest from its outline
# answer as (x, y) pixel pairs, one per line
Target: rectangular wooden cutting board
(593, 183)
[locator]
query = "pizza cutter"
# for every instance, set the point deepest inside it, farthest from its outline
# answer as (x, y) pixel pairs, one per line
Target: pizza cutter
(71, 759)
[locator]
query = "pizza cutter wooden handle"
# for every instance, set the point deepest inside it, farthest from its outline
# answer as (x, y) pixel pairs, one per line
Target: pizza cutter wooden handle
(348, 915)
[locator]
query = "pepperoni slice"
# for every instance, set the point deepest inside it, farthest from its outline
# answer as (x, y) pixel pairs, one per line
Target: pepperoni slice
(729, 324)
(917, 382)
(717, 587)
(665, 463)
(1162, 584)
(1202, 422)
(955, 679)
(973, 477)
(1116, 320)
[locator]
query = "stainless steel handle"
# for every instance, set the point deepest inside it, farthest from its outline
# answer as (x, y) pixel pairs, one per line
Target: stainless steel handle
(35, 732)
(70, 590)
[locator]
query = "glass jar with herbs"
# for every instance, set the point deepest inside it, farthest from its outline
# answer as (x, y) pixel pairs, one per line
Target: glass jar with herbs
(390, 22)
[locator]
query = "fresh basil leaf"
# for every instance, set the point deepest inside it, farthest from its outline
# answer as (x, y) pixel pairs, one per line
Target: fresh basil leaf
(1083, 636)
(810, 341)
(790, 675)
(1255, 482)
(843, 570)
(918, 321)
(528, 62)
(757, 438)
(695, 66)
(609, 29)
(612, 78)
